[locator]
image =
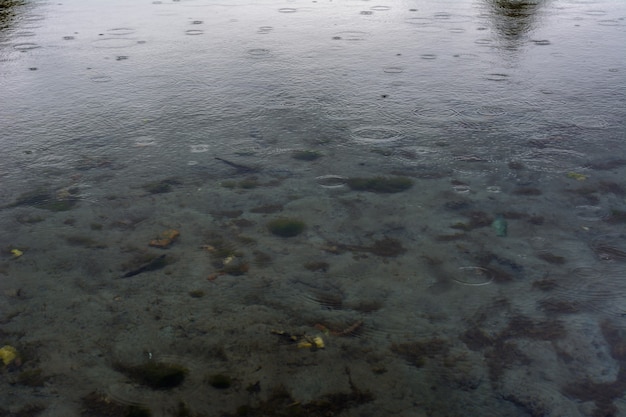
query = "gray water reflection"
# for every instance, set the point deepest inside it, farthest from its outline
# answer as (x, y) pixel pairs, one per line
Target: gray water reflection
(513, 19)
(347, 208)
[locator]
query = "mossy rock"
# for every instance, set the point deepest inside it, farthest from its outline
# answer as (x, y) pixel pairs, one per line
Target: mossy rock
(286, 227)
(306, 155)
(380, 184)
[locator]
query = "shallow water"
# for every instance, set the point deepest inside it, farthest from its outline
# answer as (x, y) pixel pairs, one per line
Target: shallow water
(485, 279)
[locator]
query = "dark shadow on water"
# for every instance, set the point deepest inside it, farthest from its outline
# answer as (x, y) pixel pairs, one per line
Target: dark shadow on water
(512, 20)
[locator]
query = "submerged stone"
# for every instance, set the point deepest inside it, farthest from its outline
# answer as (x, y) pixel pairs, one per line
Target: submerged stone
(286, 227)
(380, 184)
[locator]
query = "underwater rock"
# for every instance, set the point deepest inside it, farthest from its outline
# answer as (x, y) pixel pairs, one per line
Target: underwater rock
(286, 227)
(153, 265)
(166, 239)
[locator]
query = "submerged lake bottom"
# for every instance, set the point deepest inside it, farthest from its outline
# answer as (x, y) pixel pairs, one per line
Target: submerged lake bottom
(273, 284)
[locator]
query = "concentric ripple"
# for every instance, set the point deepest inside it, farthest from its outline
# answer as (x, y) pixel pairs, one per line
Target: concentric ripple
(121, 31)
(331, 181)
(473, 276)
(350, 35)
(199, 148)
(610, 247)
(101, 78)
(258, 52)
(491, 111)
(24, 34)
(497, 77)
(591, 213)
(393, 70)
(587, 289)
(376, 134)
(25, 46)
(435, 113)
(553, 160)
(590, 122)
(114, 43)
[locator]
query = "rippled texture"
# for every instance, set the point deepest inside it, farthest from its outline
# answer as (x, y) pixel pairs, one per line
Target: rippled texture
(148, 147)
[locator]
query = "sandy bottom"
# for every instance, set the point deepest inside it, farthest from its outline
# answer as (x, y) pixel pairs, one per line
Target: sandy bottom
(410, 303)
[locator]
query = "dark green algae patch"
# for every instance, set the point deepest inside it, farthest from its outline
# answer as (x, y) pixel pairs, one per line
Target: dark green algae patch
(380, 184)
(286, 227)
(156, 375)
(47, 200)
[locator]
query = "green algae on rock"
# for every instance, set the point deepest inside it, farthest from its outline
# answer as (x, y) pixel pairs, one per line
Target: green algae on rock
(286, 227)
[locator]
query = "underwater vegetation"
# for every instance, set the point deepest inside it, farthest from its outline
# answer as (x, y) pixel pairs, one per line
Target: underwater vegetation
(380, 184)
(286, 227)
(62, 200)
(224, 255)
(156, 375)
(246, 184)
(219, 381)
(501, 351)
(317, 266)
(603, 394)
(306, 155)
